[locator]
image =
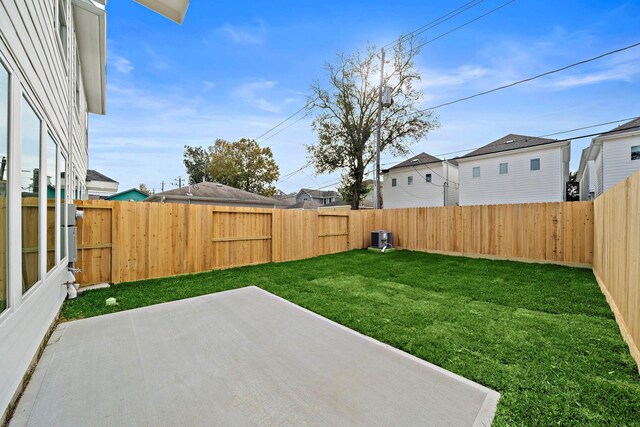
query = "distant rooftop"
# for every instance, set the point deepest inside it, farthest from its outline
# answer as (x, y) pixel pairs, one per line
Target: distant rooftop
(508, 143)
(94, 175)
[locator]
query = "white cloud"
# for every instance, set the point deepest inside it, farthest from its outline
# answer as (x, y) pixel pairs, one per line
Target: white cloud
(121, 64)
(250, 93)
(208, 85)
(244, 35)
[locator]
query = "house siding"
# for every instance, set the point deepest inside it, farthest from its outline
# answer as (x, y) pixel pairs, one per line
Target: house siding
(599, 174)
(617, 162)
(420, 193)
(520, 184)
(30, 49)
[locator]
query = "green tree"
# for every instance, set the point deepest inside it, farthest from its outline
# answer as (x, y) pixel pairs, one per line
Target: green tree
(243, 164)
(346, 190)
(144, 189)
(196, 161)
(346, 112)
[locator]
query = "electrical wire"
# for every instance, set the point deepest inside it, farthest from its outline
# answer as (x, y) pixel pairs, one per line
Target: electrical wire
(442, 19)
(557, 70)
(464, 25)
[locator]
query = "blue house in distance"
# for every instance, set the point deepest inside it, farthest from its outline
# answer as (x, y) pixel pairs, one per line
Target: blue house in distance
(130, 195)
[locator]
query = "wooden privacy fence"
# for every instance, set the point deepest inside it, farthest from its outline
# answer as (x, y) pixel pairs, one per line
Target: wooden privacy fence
(616, 262)
(125, 241)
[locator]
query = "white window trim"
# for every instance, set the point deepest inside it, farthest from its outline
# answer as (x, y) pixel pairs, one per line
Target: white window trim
(631, 145)
(500, 168)
(473, 172)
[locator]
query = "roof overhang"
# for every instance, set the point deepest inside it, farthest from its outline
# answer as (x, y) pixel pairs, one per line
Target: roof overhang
(90, 21)
(172, 9)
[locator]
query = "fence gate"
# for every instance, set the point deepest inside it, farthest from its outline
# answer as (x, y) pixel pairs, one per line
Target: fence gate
(94, 243)
(333, 232)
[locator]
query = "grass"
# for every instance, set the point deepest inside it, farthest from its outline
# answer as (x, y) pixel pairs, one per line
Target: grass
(541, 335)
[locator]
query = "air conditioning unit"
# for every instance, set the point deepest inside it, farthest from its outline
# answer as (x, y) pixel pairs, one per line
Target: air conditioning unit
(381, 239)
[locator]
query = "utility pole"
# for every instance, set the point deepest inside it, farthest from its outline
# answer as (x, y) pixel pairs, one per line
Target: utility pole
(376, 187)
(162, 187)
(179, 179)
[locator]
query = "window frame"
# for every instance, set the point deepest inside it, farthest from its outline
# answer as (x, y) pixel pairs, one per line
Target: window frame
(531, 169)
(506, 168)
(631, 159)
(394, 182)
(8, 289)
(410, 180)
(57, 204)
(428, 178)
(473, 172)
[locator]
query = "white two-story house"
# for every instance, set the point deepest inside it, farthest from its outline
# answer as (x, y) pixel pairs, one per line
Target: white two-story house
(52, 74)
(421, 181)
(610, 158)
(515, 169)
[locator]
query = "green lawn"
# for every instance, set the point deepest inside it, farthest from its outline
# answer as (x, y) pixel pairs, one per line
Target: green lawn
(541, 335)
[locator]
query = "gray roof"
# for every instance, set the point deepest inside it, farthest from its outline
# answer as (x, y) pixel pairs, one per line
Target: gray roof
(419, 159)
(634, 124)
(93, 175)
(215, 191)
(305, 204)
(318, 194)
(508, 143)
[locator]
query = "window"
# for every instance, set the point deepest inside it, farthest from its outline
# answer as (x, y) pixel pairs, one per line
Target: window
(63, 211)
(53, 204)
(61, 25)
(504, 168)
(635, 152)
(394, 182)
(410, 180)
(4, 142)
(535, 164)
(476, 172)
(428, 177)
(30, 185)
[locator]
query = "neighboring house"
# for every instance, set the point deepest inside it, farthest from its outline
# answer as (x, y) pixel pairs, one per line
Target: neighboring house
(609, 159)
(421, 181)
(586, 177)
(285, 199)
(319, 196)
(52, 74)
(212, 193)
(515, 169)
(306, 205)
(130, 195)
(100, 186)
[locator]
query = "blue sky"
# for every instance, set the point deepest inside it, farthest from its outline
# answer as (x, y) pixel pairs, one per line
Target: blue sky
(235, 69)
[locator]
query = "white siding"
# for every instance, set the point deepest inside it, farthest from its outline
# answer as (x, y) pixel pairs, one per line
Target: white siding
(30, 46)
(520, 184)
(617, 159)
(599, 178)
(421, 193)
(588, 181)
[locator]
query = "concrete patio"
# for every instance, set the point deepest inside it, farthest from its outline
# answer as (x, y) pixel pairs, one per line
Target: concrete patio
(241, 357)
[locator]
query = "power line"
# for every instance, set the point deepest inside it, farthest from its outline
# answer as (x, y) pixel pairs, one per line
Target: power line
(444, 18)
(287, 127)
(557, 70)
(465, 24)
(417, 31)
(285, 120)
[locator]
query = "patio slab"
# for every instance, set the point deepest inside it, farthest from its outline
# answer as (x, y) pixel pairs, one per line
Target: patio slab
(241, 357)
